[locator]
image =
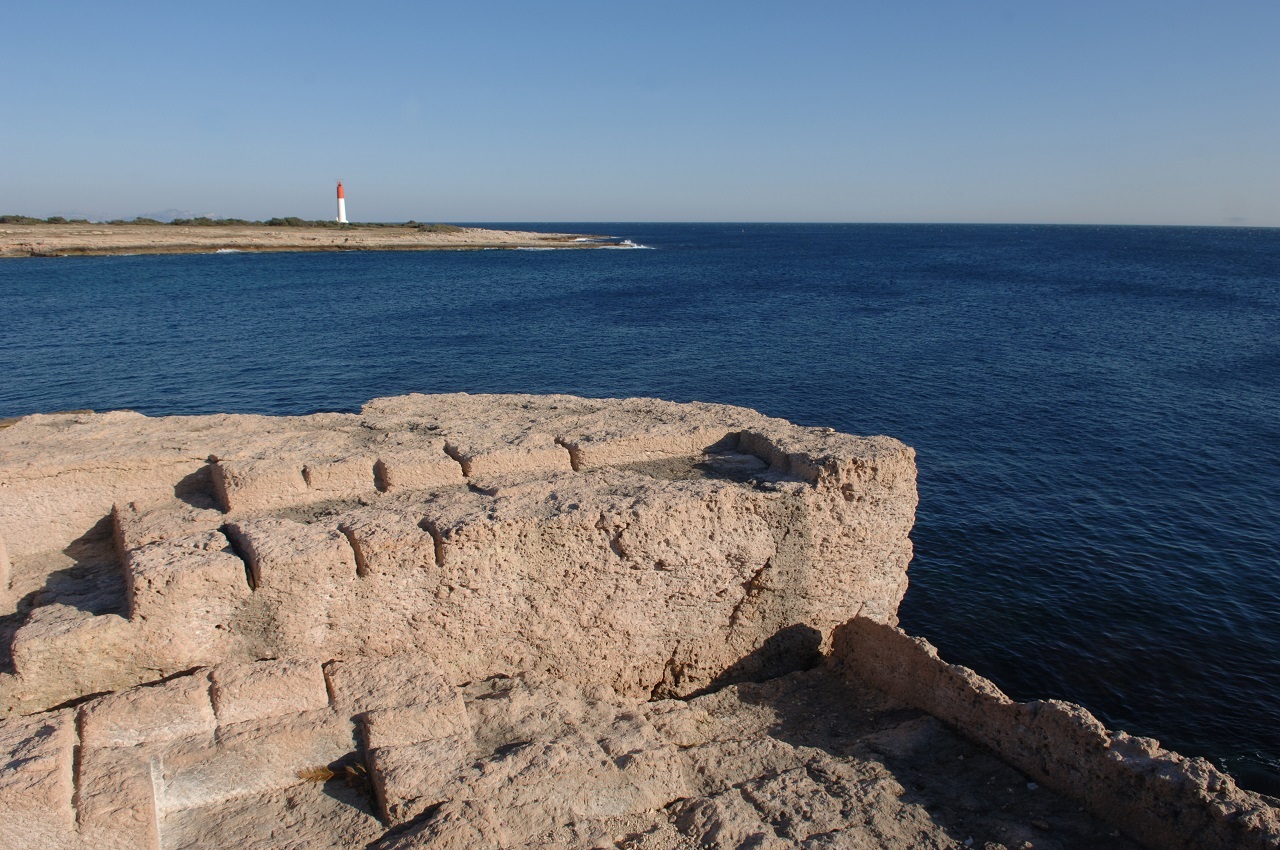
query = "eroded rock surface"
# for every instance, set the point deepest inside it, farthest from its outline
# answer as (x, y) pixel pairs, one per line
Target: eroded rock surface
(647, 546)
(389, 753)
(469, 621)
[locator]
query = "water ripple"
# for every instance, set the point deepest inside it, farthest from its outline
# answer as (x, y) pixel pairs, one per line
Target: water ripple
(1096, 411)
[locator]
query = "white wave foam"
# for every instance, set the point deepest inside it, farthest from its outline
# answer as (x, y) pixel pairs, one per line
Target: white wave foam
(628, 245)
(228, 251)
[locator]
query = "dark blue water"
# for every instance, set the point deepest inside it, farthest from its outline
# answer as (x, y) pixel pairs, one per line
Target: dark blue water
(1096, 410)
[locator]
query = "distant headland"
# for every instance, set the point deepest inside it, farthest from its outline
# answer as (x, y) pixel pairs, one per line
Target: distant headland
(25, 236)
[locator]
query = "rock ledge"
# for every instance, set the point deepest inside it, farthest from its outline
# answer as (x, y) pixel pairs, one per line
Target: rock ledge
(516, 621)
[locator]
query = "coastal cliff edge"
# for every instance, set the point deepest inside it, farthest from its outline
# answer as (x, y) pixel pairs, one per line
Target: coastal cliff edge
(517, 621)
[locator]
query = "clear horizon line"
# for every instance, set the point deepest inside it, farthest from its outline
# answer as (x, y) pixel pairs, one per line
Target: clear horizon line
(938, 223)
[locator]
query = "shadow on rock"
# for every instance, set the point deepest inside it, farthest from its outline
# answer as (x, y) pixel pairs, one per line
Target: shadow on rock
(196, 489)
(905, 769)
(794, 648)
(93, 583)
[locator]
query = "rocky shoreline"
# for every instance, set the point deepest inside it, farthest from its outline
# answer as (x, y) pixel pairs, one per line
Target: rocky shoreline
(66, 240)
(517, 621)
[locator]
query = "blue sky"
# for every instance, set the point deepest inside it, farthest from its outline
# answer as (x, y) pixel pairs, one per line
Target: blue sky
(1089, 112)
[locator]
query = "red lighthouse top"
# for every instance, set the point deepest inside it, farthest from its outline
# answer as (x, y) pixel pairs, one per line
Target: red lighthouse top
(340, 195)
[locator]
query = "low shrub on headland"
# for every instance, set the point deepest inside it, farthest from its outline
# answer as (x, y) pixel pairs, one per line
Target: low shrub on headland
(53, 219)
(205, 221)
(294, 221)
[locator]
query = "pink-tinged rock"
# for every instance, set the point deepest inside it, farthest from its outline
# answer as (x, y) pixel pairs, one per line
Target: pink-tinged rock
(688, 547)
(192, 578)
(255, 757)
(721, 764)
(417, 466)
(348, 476)
(545, 767)
(489, 435)
(35, 766)
(859, 467)
(426, 720)
(134, 526)
(793, 799)
(409, 779)
(1154, 796)
(242, 485)
(363, 684)
(254, 691)
(390, 544)
(291, 557)
(685, 724)
(304, 580)
(725, 820)
(311, 816)
(636, 430)
(506, 711)
(541, 567)
(61, 652)
(456, 825)
(539, 452)
(569, 559)
(647, 760)
(179, 708)
(116, 793)
(61, 474)
(5, 569)
(546, 784)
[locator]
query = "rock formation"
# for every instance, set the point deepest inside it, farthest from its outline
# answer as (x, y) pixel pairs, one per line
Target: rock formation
(514, 621)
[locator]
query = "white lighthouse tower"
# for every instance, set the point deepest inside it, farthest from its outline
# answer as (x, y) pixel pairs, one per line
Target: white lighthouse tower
(342, 205)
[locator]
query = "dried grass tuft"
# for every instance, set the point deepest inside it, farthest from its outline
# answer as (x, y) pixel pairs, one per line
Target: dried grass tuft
(316, 774)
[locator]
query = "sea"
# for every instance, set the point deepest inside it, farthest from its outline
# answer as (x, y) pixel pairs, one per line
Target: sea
(1095, 410)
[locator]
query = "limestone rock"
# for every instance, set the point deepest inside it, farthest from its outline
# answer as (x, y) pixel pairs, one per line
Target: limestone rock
(177, 710)
(515, 621)
(744, 539)
(36, 766)
(242, 691)
(1158, 797)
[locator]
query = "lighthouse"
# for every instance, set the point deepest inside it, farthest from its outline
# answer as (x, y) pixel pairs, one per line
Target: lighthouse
(342, 205)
